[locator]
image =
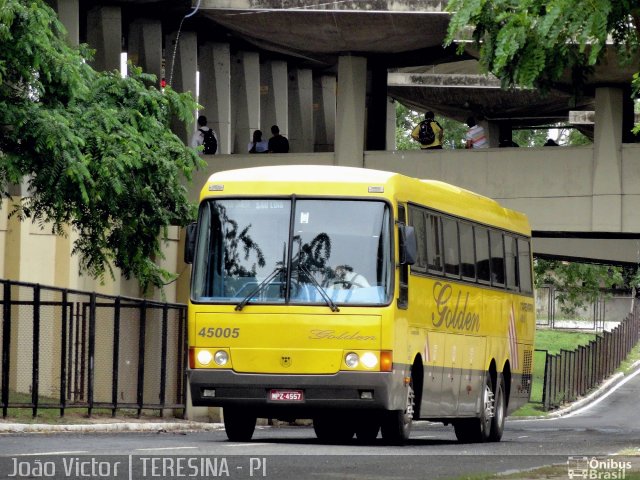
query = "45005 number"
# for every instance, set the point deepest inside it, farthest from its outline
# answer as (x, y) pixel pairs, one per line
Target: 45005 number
(219, 332)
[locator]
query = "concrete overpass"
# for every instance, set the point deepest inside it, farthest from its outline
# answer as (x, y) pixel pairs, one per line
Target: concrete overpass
(328, 73)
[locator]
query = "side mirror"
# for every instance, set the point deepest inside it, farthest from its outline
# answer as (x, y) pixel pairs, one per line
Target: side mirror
(408, 245)
(190, 242)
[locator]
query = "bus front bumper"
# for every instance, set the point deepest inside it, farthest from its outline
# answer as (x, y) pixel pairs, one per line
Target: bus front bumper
(343, 390)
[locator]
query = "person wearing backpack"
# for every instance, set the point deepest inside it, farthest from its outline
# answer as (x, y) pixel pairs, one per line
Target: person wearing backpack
(205, 137)
(428, 133)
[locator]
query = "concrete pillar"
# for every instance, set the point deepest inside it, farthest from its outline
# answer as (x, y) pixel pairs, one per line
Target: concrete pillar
(144, 47)
(181, 74)
(301, 110)
(390, 132)
(352, 83)
(607, 158)
(324, 113)
(274, 97)
(214, 65)
(245, 75)
(376, 127)
(492, 132)
(69, 15)
(104, 34)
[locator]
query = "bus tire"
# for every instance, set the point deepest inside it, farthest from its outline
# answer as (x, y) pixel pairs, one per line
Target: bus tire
(477, 430)
(333, 428)
(396, 424)
(238, 424)
(499, 412)
(367, 428)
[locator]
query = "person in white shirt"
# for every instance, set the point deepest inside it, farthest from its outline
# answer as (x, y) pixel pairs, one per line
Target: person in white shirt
(258, 145)
(198, 137)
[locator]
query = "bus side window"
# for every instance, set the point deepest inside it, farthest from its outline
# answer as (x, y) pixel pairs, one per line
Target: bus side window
(434, 244)
(510, 257)
(467, 261)
(524, 266)
(482, 254)
(451, 247)
(497, 258)
(403, 296)
(417, 221)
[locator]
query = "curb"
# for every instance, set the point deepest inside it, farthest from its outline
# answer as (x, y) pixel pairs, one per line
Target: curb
(603, 389)
(154, 427)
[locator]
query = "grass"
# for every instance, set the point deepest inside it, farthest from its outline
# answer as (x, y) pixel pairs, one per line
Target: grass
(72, 415)
(553, 341)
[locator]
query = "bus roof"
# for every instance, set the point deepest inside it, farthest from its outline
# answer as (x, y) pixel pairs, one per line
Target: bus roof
(321, 180)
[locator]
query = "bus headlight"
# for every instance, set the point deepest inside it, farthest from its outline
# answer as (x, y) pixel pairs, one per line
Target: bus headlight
(351, 360)
(204, 357)
(369, 359)
(221, 357)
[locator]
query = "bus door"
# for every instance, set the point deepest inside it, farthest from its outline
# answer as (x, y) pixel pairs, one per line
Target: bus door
(434, 351)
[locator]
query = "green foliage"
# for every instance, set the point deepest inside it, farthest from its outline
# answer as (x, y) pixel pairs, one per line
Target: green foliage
(96, 148)
(532, 43)
(577, 284)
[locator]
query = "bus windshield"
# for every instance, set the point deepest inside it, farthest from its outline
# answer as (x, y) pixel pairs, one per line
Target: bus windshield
(328, 252)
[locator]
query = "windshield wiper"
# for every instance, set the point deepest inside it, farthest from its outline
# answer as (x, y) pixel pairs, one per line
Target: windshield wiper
(259, 288)
(323, 294)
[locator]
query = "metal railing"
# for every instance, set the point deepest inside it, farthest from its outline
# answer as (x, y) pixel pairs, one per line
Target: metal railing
(62, 349)
(569, 375)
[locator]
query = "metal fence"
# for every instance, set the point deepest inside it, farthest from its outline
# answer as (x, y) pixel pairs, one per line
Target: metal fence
(66, 349)
(571, 374)
(597, 316)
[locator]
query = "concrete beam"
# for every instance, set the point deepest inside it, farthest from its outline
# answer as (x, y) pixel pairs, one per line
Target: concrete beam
(324, 113)
(181, 74)
(245, 76)
(301, 110)
(274, 97)
(439, 80)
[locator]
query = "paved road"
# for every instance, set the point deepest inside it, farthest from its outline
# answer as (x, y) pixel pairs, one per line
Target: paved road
(609, 425)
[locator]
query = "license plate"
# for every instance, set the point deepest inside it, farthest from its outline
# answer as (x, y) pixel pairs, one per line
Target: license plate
(286, 395)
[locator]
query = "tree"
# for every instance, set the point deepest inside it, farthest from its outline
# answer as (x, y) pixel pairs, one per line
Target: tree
(96, 148)
(532, 43)
(577, 284)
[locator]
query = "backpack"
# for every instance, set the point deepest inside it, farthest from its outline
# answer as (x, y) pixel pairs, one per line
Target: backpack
(426, 135)
(209, 142)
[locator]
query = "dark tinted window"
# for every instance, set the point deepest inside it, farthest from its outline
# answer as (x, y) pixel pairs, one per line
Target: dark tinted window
(524, 265)
(417, 220)
(451, 250)
(435, 258)
(467, 259)
(497, 258)
(511, 262)
(482, 254)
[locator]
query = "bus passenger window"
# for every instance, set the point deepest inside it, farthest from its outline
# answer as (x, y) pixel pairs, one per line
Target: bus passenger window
(451, 249)
(467, 263)
(524, 266)
(434, 244)
(510, 252)
(497, 258)
(482, 254)
(417, 221)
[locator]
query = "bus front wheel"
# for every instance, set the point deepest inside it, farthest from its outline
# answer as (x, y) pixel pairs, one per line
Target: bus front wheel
(396, 424)
(238, 424)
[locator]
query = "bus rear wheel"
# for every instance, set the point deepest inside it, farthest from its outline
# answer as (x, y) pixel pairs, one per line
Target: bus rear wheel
(238, 424)
(477, 430)
(396, 424)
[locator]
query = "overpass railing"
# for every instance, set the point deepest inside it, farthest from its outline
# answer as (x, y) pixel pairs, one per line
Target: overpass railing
(571, 374)
(64, 349)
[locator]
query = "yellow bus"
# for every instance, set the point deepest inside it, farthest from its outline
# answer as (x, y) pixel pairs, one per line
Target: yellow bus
(361, 299)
